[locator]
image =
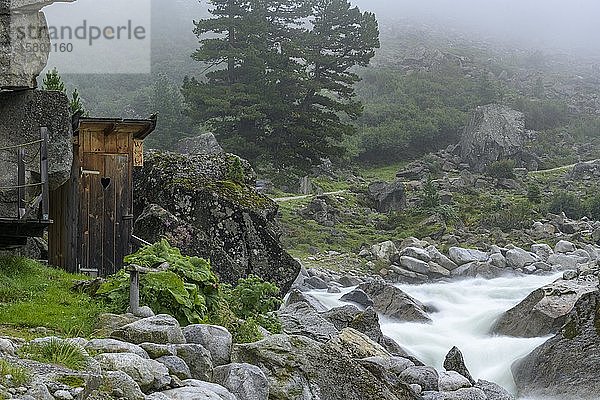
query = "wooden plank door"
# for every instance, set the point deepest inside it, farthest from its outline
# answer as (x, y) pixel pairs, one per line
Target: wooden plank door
(105, 203)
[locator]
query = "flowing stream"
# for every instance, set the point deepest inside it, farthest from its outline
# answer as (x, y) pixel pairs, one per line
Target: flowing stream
(466, 311)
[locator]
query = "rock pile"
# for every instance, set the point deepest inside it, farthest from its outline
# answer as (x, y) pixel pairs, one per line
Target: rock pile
(415, 261)
(151, 358)
(155, 359)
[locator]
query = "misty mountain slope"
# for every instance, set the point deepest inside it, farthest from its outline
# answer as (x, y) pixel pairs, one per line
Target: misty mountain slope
(417, 46)
(426, 78)
(421, 86)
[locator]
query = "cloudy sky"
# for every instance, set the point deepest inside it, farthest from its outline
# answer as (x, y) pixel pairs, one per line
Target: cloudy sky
(564, 24)
(571, 25)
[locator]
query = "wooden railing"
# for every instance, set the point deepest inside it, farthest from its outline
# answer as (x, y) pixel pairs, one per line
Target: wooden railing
(43, 200)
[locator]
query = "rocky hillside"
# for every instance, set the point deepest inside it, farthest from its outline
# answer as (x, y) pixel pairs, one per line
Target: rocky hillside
(416, 47)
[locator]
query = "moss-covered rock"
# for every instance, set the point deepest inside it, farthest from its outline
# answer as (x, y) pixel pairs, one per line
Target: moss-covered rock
(206, 205)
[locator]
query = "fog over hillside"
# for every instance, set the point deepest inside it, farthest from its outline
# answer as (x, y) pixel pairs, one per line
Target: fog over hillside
(554, 25)
(566, 26)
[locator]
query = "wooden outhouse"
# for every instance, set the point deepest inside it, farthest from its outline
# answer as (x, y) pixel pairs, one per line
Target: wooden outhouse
(93, 211)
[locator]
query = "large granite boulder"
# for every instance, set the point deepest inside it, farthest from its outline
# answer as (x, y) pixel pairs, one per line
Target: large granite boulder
(426, 377)
(566, 366)
(99, 346)
(118, 383)
(199, 390)
(216, 339)
(245, 381)
(388, 196)
(150, 375)
(160, 329)
(300, 368)
(494, 132)
(357, 345)
(197, 358)
(22, 114)
(493, 391)
(545, 310)
(394, 303)
(461, 256)
(19, 65)
(202, 144)
(176, 366)
(350, 316)
(454, 361)
(205, 212)
(301, 319)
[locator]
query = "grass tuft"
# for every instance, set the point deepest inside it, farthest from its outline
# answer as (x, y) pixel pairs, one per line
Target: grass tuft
(13, 375)
(56, 351)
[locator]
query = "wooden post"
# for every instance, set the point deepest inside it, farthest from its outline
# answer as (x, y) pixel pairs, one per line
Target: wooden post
(44, 174)
(21, 181)
(134, 291)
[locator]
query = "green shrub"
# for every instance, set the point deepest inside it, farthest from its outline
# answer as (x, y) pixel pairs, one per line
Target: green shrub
(56, 351)
(406, 116)
(514, 215)
(73, 381)
(568, 203)
(593, 207)
(188, 290)
(586, 128)
(255, 299)
(502, 169)
(247, 331)
(447, 213)
(430, 198)
(543, 114)
(236, 171)
(18, 375)
(534, 194)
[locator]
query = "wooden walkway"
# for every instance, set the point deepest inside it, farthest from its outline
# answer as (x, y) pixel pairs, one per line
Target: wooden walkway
(14, 230)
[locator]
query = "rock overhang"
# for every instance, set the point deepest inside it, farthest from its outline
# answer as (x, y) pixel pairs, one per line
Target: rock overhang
(23, 56)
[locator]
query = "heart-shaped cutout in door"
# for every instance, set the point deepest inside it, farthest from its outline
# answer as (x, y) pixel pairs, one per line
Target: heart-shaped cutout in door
(105, 182)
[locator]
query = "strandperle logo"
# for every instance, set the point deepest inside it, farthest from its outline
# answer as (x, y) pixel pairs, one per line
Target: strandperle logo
(94, 37)
(84, 31)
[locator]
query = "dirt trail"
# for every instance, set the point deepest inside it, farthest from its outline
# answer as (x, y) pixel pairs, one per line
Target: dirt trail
(563, 167)
(285, 199)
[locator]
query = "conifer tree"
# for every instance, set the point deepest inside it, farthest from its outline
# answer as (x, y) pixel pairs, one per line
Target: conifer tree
(53, 82)
(280, 84)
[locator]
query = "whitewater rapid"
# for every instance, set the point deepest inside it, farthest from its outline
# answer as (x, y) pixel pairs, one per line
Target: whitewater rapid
(466, 311)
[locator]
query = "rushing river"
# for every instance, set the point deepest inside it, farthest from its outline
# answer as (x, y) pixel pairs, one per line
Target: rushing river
(466, 312)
